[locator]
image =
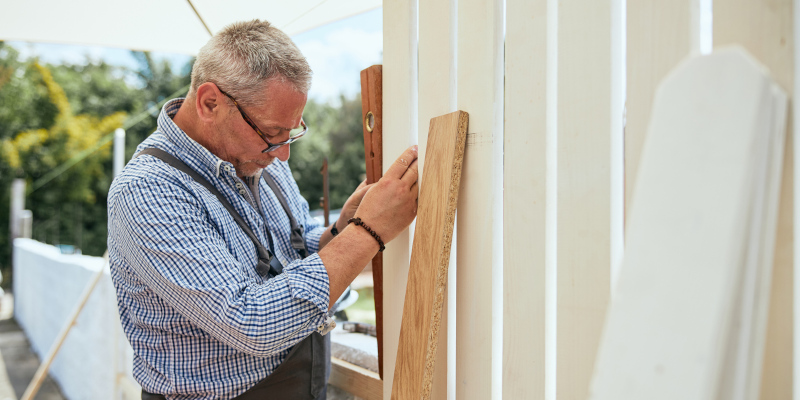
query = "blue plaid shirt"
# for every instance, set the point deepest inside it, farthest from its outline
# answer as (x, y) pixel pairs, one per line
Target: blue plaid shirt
(202, 322)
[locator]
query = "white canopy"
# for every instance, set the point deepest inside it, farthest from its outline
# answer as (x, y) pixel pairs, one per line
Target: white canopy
(174, 26)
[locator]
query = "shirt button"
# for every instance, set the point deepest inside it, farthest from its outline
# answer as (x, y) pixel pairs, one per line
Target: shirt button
(238, 185)
(227, 168)
(241, 192)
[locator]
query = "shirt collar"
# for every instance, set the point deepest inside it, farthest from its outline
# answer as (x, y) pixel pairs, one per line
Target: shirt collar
(194, 151)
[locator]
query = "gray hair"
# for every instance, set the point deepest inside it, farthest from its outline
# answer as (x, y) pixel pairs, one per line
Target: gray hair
(244, 56)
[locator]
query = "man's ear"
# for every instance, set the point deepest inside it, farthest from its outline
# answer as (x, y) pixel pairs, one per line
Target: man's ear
(207, 102)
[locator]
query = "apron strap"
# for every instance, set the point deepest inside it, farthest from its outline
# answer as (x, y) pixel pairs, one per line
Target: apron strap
(298, 243)
(268, 265)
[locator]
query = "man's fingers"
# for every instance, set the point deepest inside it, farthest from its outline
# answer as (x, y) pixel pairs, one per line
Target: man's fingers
(402, 163)
(412, 173)
(363, 188)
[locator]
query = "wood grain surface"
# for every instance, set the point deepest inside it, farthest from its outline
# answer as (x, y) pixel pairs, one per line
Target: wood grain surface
(356, 380)
(430, 256)
(372, 102)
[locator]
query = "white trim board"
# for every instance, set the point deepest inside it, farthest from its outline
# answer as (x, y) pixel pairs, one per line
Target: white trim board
(672, 328)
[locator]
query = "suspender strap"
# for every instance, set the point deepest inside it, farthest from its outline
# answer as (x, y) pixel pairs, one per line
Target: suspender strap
(298, 243)
(268, 264)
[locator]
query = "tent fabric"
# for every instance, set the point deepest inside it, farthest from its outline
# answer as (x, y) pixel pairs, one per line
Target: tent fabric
(170, 26)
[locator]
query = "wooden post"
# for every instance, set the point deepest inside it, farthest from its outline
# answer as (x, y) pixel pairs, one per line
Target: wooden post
(325, 200)
(766, 29)
(524, 199)
(119, 150)
(586, 85)
(372, 118)
(400, 131)
(17, 205)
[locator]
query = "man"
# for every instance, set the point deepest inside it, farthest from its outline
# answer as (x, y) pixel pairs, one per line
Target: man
(223, 280)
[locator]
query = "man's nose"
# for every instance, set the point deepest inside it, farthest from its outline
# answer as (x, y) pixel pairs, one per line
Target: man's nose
(282, 153)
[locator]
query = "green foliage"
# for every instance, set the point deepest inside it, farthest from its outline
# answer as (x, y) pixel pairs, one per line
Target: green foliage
(336, 133)
(49, 113)
(25, 103)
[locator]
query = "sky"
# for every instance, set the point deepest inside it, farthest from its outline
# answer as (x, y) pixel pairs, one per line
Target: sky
(337, 52)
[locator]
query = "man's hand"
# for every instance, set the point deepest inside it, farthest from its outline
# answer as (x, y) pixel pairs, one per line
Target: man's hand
(387, 206)
(351, 205)
(390, 205)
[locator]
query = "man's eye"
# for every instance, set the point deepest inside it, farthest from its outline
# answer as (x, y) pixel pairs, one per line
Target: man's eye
(273, 132)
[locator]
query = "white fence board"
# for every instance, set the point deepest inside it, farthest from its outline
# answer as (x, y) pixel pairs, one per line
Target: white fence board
(479, 87)
(765, 29)
(524, 200)
(437, 96)
(399, 132)
(584, 188)
(675, 324)
(659, 36)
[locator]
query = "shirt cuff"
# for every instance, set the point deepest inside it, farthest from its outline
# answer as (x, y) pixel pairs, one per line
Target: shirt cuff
(308, 279)
(313, 237)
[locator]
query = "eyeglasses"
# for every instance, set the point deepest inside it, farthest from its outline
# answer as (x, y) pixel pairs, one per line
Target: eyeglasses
(294, 134)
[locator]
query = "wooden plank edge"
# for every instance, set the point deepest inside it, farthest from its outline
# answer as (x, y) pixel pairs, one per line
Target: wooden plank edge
(356, 380)
(444, 257)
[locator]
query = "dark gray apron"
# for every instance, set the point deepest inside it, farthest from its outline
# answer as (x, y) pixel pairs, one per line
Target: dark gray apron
(305, 371)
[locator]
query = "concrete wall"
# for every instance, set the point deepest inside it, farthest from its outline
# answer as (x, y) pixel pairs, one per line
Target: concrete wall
(47, 287)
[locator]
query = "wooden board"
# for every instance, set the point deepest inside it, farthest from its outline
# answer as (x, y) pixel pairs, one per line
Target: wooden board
(766, 30)
(353, 379)
(430, 257)
(372, 122)
(524, 200)
(672, 323)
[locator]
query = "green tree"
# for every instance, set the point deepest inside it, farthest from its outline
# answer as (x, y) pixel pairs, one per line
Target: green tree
(159, 82)
(334, 132)
(31, 154)
(50, 114)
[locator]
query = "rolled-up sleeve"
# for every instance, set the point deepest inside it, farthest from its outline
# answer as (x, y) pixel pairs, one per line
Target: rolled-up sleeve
(164, 236)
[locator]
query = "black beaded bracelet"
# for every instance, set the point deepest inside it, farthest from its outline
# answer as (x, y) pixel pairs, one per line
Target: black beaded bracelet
(359, 222)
